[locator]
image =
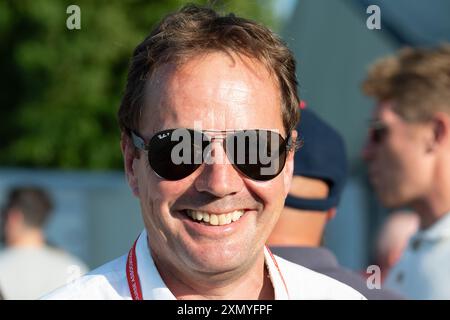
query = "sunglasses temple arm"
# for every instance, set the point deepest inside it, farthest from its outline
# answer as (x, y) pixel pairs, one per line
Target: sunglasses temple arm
(138, 142)
(294, 145)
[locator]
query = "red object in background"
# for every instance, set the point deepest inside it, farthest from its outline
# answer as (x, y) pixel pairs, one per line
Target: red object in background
(302, 104)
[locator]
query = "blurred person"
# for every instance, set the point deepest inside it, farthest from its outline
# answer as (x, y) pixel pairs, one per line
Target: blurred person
(206, 222)
(408, 158)
(393, 238)
(320, 172)
(29, 268)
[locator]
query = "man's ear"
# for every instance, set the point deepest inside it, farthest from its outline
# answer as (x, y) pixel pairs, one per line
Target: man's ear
(438, 133)
(289, 166)
(130, 154)
(441, 128)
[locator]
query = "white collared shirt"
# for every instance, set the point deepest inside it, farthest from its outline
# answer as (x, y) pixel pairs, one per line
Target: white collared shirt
(110, 281)
(423, 271)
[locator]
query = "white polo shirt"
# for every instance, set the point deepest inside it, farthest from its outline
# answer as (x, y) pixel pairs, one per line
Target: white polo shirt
(423, 271)
(26, 273)
(290, 281)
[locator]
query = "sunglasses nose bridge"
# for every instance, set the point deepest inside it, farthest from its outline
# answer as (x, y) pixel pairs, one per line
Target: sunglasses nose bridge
(220, 140)
(216, 152)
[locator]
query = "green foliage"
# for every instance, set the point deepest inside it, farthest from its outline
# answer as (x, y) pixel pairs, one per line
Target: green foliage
(61, 88)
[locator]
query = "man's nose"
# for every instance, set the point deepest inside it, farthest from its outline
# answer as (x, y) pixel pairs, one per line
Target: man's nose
(219, 177)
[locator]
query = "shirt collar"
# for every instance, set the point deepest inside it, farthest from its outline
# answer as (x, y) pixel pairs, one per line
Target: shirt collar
(439, 230)
(152, 285)
(154, 288)
(276, 277)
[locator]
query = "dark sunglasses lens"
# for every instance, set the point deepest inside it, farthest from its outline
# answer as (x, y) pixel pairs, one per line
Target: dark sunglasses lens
(258, 154)
(175, 154)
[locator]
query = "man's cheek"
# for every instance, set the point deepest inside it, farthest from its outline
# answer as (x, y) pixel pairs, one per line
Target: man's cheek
(271, 199)
(172, 189)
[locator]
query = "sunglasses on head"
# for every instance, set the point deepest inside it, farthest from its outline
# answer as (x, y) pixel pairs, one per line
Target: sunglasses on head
(377, 131)
(175, 154)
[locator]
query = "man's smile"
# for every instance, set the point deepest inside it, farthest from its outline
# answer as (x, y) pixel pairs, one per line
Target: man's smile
(215, 224)
(214, 219)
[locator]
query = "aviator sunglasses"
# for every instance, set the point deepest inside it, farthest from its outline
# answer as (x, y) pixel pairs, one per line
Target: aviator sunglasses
(175, 154)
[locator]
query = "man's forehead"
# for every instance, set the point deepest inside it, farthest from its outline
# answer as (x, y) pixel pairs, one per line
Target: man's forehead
(384, 110)
(232, 97)
(215, 64)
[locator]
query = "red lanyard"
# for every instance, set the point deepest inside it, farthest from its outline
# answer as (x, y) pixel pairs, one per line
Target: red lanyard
(132, 274)
(133, 277)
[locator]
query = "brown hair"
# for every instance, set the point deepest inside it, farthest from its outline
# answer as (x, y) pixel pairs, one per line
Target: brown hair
(195, 29)
(33, 202)
(417, 80)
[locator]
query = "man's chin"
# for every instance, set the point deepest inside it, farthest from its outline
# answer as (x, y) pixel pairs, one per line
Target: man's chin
(218, 261)
(218, 271)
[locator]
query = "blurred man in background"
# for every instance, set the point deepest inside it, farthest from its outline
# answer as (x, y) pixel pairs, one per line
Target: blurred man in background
(393, 238)
(408, 156)
(30, 268)
(320, 172)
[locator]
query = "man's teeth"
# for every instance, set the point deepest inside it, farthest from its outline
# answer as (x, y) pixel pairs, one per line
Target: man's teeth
(213, 219)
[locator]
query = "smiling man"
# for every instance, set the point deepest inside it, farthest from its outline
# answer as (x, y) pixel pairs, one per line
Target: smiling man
(228, 86)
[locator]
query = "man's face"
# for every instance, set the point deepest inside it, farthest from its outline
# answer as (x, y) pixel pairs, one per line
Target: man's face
(396, 153)
(221, 94)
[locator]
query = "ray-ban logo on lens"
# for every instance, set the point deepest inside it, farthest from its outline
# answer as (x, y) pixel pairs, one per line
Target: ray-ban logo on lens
(163, 135)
